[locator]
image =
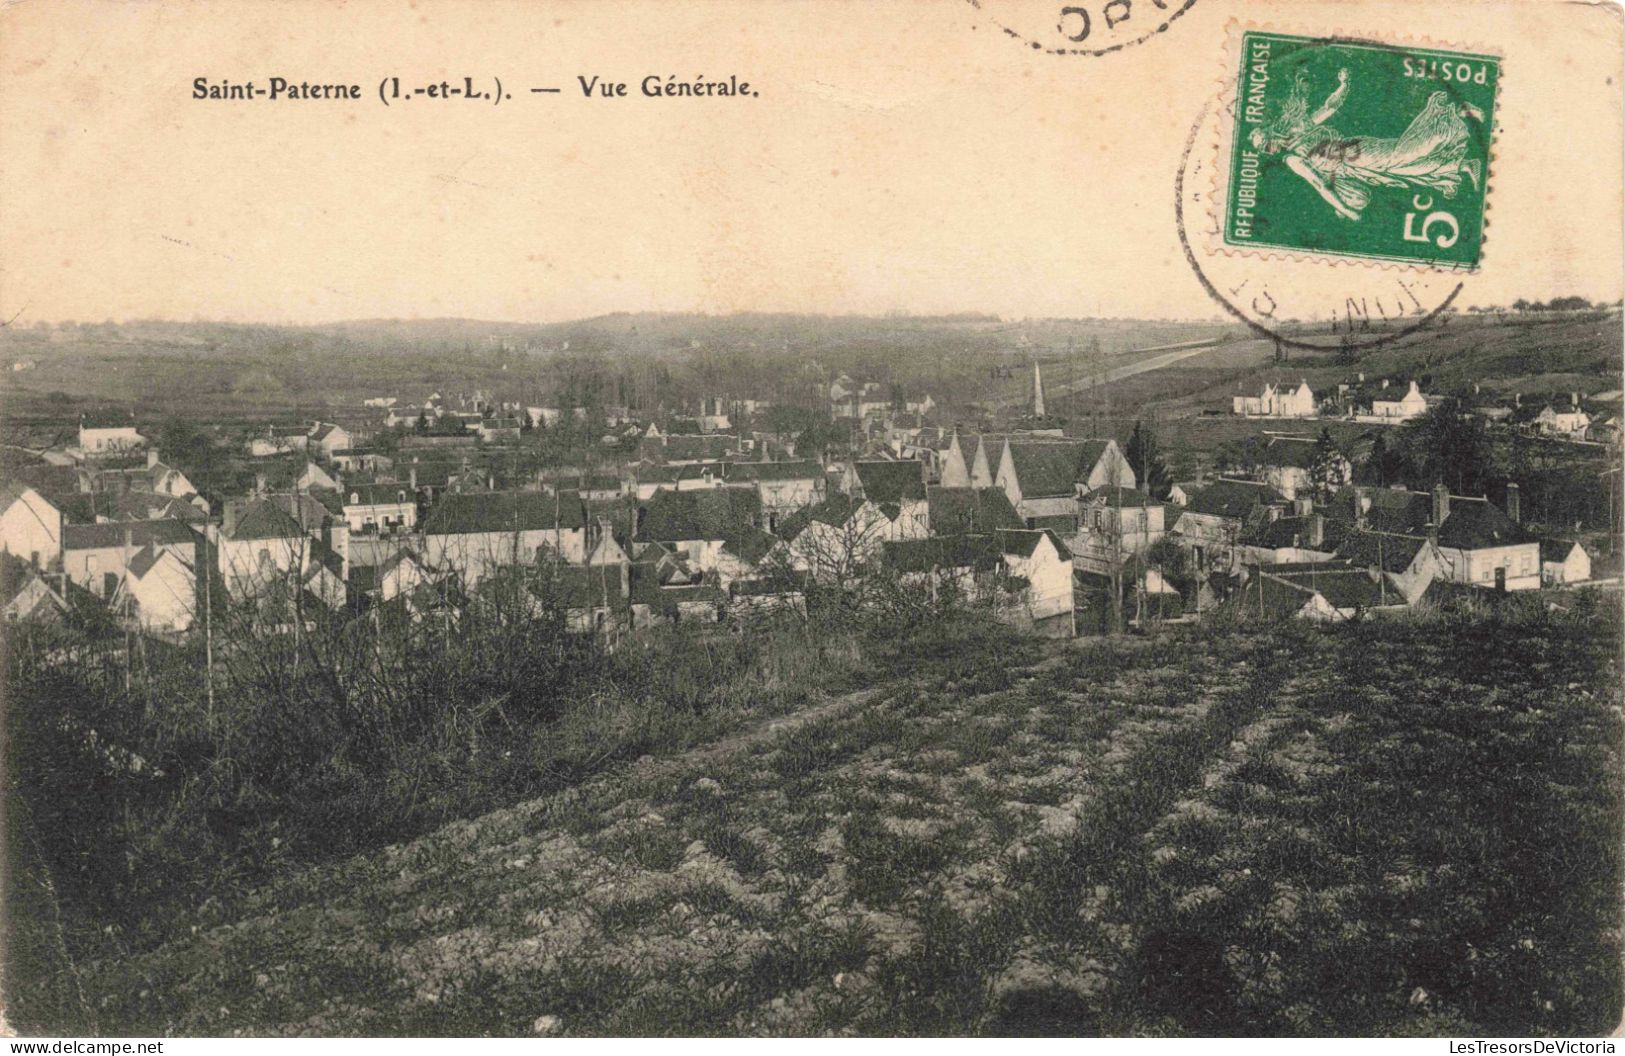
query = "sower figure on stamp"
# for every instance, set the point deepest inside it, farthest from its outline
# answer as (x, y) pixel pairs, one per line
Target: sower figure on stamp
(1342, 169)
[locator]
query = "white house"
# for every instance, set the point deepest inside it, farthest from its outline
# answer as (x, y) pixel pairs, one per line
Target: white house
(897, 490)
(109, 439)
(380, 508)
(1411, 405)
(1045, 563)
(30, 526)
(327, 438)
(1479, 544)
(784, 487)
(1562, 562)
(160, 593)
(1565, 420)
(98, 556)
(475, 534)
(262, 545)
(1276, 402)
(278, 440)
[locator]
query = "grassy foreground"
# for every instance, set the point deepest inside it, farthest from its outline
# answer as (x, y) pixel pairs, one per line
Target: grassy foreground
(1394, 827)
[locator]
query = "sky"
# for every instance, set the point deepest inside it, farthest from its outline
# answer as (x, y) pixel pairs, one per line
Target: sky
(901, 156)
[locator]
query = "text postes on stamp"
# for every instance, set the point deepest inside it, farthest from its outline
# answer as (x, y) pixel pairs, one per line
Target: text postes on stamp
(1357, 148)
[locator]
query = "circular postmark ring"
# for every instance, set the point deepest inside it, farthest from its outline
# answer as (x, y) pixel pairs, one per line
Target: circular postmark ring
(1079, 21)
(1391, 337)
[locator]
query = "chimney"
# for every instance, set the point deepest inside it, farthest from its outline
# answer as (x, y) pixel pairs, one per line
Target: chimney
(1441, 505)
(412, 475)
(1574, 399)
(1517, 399)
(1385, 383)
(1362, 506)
(152, 457)
(1362, 377)
(229, 516)
(259, 483)
(1514, 506)
(1317, 531)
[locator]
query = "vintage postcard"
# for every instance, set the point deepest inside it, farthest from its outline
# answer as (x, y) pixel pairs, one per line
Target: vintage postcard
(923, 518)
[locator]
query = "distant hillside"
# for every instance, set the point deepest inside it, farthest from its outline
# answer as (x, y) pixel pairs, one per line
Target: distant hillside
(1535, 352)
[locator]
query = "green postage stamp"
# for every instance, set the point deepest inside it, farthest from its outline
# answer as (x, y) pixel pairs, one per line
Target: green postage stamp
(1361, 149)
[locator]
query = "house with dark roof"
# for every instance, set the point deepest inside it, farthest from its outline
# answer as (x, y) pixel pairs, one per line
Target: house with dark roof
(382, 508)
(676, 448)
(1321, 593)
(701, 525)
(783, 487)
(1290, 538)
(1025, 574)
(897, 489)
(1044, 564)
(1044, 477)
(1411, 562)
(1479, 544)
(327, 437)
(1217, 515)
(476, 533)
(98, 556)
(264, 542)
(1117, 524)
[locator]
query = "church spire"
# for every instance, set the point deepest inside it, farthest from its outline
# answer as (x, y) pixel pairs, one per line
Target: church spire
(1038, 390)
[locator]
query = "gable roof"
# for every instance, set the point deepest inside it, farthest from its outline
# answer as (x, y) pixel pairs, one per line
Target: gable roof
(1479, 524)
(957, 511)
(889, 482)
(503, 511)
(1024, 542)
(1353, 588)
(1051, 467)
(1557, 550)
(150, 556)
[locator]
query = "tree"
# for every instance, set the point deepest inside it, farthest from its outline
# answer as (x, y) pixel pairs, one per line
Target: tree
(422, 426)
(1383, 466)
(1326, 468)
(1446, 446)
(1146, 461)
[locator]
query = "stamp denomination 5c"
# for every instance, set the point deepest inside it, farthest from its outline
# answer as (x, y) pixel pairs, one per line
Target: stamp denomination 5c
(1359, 148)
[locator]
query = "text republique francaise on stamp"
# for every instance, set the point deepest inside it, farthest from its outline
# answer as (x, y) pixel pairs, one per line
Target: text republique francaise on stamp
(1359, 148)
